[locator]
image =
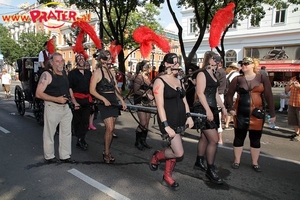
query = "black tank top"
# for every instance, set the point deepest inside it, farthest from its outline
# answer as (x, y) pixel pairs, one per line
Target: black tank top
(104, 85)
(59, 85)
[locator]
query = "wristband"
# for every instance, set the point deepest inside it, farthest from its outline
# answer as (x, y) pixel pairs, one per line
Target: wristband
(188, 115)
(165, 123)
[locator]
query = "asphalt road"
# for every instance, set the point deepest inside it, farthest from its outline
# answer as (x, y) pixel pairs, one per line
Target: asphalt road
(24, 175)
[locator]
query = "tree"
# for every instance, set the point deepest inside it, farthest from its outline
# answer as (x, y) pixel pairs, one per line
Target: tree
(32, 43)
(9, 48)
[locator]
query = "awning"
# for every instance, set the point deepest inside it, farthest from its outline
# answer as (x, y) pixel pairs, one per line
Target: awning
(281, 67)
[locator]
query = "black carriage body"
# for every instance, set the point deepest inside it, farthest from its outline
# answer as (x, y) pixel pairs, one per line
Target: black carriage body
(29, 73)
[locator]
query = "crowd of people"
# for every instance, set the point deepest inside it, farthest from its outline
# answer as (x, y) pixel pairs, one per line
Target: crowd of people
(236, 93)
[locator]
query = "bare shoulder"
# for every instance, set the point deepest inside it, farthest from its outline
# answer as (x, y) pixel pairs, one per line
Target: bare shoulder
(45, 78)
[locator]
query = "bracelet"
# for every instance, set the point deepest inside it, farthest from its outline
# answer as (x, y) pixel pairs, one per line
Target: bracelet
(188, 115)
(165, 123)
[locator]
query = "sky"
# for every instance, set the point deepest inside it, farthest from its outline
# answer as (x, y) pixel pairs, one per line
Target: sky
(11, 7)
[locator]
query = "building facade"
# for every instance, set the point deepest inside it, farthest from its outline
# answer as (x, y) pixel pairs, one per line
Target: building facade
(275, 42)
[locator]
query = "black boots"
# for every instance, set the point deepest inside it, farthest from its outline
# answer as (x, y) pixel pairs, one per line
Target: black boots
(167, 178)
(81, 144)
(143, 139)
(137, 143)
(140, 140)
(199, 164)
(212, 175)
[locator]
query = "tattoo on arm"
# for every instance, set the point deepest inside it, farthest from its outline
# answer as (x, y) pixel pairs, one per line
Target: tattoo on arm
(43, 78)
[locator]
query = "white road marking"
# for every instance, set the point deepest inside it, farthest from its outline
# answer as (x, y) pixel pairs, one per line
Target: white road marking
(97, 185)
(4, 130)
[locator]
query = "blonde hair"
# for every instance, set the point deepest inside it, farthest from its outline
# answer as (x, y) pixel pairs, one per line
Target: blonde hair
(256, 65)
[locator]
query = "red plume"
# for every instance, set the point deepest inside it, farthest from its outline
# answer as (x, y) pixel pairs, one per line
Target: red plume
(221, 20)
(50, 46)
(146, 37)
(114, 50)
(78, 48)
(88, 29)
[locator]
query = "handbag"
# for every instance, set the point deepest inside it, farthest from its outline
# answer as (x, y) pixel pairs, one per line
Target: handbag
(258, 113)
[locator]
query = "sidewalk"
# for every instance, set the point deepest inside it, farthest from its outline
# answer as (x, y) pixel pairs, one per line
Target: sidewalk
(281, 122)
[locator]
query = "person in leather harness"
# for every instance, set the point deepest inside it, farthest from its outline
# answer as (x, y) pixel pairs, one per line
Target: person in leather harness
(142, 96)
(104, 87)
(53, 88)
(209, 98)
(173, 115)
(251, 88)
(79, 80)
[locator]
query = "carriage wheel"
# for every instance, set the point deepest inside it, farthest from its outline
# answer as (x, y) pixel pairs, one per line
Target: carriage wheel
(20, 100)
(38, 107)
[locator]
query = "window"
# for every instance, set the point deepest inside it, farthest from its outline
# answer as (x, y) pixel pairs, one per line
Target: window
(280, 16)
(254, 21)
(193, 27)
(252, 52)
(70, 54)
(230, 57)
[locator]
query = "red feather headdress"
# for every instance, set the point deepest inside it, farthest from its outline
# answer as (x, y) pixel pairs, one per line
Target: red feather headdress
(146, 37)
(51, 46)
(219, 23)
(88, 29)
(114, 50)
(78, 48)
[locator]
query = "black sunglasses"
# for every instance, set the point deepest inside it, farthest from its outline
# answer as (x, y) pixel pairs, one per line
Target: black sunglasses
(245, 63)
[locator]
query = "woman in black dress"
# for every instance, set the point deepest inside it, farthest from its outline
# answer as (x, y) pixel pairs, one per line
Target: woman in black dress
(207, 92)
(173, 116)
(104, 87)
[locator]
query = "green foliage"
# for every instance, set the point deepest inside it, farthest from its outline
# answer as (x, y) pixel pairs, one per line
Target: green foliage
(31, 44)
(9, 48)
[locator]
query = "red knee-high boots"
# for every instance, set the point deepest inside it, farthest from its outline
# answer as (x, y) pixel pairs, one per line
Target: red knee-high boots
(167, 178)
(156, 158)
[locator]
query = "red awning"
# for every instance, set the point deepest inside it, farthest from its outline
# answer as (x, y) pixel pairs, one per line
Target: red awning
(283, 67)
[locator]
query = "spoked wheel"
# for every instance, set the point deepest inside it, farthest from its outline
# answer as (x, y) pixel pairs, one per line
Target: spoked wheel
(38, 110)
(20, 100)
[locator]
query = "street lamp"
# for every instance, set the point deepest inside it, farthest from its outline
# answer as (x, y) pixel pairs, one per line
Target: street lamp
(153, 54)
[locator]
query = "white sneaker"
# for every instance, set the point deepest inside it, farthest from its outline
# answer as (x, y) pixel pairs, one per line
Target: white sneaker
(280, 109)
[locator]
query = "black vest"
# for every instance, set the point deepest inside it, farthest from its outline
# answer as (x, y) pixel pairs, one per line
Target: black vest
(59, 85)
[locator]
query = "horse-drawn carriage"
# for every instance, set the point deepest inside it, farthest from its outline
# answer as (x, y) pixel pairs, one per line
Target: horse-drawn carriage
(28, 69)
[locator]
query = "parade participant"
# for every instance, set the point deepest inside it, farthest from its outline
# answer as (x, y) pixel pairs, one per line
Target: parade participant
(79, 82)
(142, 96)
(53, 88)
(293, 87)
(104, 87)
(6, 81)
(44, 56)
(248, 110)
(94, 108)
(209, 99)
(173, 114)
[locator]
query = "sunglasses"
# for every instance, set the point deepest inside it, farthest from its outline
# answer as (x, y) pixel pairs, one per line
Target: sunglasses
(245, 63)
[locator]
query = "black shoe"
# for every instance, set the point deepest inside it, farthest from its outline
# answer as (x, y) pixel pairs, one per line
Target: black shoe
(81, 144)
(256, 168)
(84, 143)
(68, 160)
(200, 166)
(49, 161)
(212, 175)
